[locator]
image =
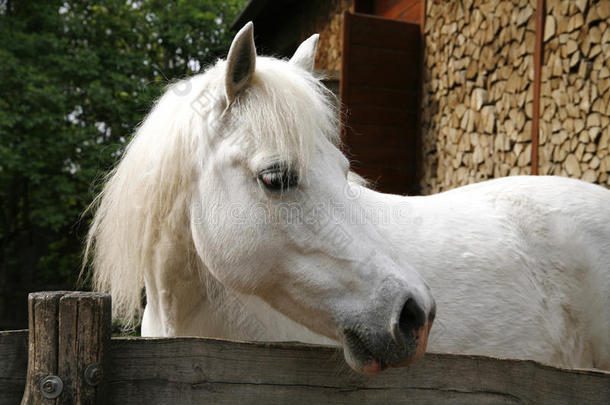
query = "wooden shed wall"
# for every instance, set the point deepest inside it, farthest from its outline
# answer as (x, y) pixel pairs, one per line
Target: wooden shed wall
(400, 10)
(379, 94)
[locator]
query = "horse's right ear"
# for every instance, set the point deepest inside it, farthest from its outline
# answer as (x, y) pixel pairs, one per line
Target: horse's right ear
(305, 55)
(240, 62)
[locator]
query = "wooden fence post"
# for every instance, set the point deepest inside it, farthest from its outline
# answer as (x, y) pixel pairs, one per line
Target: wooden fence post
(69, 334)
(43, 312)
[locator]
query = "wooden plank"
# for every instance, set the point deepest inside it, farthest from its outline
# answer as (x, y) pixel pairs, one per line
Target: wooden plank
(419, 163)
(206, 371)
(372, 115)
(202, 371)
(422, 23)
(13, 365)
(390, 34)
(538, 55)
(383, 156)
(363, 6)
(390, 188)
(403, 10)
(389, 76)
(394, 98)
(375, 134)
(393, 174)
(380, 99)
(377, 55)
(384, 174)
(344, 86)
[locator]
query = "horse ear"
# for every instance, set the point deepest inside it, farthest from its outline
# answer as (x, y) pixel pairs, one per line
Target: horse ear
(305, 55)
(240, 62)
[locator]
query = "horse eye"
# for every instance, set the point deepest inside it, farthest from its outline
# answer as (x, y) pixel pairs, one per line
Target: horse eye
(278, 179)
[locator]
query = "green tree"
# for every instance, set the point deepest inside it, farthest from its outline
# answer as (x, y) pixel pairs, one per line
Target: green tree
(75, 79)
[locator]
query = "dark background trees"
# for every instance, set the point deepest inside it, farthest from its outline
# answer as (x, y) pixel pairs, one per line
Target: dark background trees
(75, 79)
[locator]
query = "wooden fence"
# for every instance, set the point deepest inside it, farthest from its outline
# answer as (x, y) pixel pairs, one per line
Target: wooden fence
(73, 360)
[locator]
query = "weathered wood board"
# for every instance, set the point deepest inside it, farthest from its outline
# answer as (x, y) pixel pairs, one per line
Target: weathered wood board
(13, 365)
(208, 371)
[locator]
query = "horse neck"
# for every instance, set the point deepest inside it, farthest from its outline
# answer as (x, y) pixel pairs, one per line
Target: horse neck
(184, 299)
(174, 282)
(394, 217)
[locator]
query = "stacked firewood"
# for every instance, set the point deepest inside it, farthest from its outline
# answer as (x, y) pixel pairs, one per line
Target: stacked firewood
(575, 91)
(478, 91)
(478, 82)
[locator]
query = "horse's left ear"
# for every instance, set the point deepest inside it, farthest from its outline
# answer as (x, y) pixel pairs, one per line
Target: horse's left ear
(305, 55)
(241, 62)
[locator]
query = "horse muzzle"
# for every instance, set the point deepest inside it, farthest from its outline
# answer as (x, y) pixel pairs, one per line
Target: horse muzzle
(370, 347)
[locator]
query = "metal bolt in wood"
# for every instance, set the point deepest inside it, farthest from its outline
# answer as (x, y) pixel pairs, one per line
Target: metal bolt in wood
(51, 386)
(93, 374)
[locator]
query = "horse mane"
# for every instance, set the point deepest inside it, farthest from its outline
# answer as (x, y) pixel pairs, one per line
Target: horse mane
(142, 218)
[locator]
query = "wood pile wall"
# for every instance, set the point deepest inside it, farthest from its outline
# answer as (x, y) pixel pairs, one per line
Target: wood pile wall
(575, 91)
(478, 91)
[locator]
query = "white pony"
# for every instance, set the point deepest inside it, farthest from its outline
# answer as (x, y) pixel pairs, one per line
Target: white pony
(235, 210)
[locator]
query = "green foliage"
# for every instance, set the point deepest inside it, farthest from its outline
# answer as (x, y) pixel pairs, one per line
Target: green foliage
(76, 77)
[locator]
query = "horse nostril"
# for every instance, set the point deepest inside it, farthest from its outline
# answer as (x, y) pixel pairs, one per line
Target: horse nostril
(412, 317)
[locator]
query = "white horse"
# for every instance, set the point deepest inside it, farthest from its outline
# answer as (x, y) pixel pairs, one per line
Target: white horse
(235, 210)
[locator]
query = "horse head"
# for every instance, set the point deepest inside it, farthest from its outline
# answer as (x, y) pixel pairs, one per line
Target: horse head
(236, 176)
(275, 213)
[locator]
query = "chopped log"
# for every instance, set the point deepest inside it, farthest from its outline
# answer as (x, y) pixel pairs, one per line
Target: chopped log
(478, 99)
(549, 28)
(575, 22)
(572, 165)
(488, 119)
